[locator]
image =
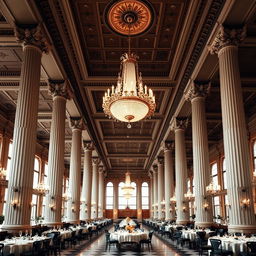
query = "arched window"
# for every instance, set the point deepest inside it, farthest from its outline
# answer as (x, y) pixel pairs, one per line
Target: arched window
(109, 196)
(36, 172)
(122, 201)
(214, 174)
(145, 195)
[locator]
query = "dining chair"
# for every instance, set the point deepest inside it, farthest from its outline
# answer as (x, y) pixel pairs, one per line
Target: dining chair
(201, 242)
(217, 248)
(251, 249)
(148, 241)
(109, 241)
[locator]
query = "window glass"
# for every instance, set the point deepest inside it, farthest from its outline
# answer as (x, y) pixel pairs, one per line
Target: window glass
(224, 170)
(145, 195)
(109, 195)
(9, 160)
(214, 175)
(216, 206)
(36, 172)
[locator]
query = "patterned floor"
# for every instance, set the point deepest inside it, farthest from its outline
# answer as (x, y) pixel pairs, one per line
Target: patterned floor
(97, 248)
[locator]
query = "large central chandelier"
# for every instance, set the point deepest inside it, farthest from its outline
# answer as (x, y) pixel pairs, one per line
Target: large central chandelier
(130, 100)
(127, 189)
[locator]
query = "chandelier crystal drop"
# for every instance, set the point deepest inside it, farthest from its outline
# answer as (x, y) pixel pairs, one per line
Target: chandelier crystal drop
(130, 100)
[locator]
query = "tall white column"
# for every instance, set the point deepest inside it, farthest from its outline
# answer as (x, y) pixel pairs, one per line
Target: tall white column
(73, 205)
(19, 195)
(168, 181)
(56, 154)
(95, 187)
(151, 202)
(155, 192)
(86, 194)
(139, 200)
(181, 171)
(101, 192)
(241, 216)
(160, 186)
(115, 205)
(196, 94)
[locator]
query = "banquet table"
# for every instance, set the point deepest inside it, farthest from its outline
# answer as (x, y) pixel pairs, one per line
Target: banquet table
(124, 236)
(191, 233)
(235, 244)
(20, 245)
(168, 227)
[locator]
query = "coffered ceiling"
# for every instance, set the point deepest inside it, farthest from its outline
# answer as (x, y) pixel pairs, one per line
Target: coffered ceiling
(88, 53)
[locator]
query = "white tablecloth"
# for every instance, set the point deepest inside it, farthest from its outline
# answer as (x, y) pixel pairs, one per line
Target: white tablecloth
(129, 237)
(191, 234)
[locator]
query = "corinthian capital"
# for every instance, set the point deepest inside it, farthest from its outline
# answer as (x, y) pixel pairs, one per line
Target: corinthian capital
(95, 160)
(58, 88)
(167, 145)
(160, 160)
(75, 123)
(226, 37)
(87, 145)
(179, 124)
(197, 90)
(32, 35)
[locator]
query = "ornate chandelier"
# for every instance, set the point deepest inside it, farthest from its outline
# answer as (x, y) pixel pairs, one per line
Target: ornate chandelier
(130, 100)
(127, 189)
(212, 188)
(189, 195)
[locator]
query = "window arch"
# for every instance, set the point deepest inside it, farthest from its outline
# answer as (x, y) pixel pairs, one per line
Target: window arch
(122, 201)
(145, 195)
(109, 195)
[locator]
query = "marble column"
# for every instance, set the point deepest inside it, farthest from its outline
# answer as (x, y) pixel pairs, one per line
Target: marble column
(196, 93)
(160, 186)
(95, 187)
(139, 201)
(101, 192)
(56, 154)
(181, 171)
(86, 194)
(168, 181)
(151, 194)
(239, 190)
(19, 194)
(73, 204)
(115, 204)
(155, 192)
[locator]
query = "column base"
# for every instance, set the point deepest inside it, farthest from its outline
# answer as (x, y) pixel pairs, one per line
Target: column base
(73, 221)
(182, 222)
(14, 229)
(246, 229)
(203, 224)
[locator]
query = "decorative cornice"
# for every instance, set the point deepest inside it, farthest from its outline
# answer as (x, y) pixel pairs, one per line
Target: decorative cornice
(227, 36)
(88, 145)
(58, 88)
(76, 123)
(31, 35)
(197, 90)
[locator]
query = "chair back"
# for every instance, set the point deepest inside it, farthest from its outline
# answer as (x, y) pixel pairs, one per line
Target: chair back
(1, 249)
(179, 228)
(107, 235)
(150, 234)
(251, 246)
(238, 234)
(201, 235)
(37, 246)
(215, 243)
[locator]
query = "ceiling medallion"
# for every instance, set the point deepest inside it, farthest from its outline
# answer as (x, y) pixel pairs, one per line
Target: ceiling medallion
(129, 17)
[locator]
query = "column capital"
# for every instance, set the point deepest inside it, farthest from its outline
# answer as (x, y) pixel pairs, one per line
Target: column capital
(32, 35)
(227, 36)
(197, 90)
(150, 175)
(179, 124)
(160, 160)
(101, 169)
(154, 168)
(167, 145)
(95, 160)
(88, 145)
(75, 123)
(58, 88)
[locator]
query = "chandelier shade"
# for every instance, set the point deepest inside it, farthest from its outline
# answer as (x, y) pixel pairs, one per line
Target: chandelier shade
(127, 189)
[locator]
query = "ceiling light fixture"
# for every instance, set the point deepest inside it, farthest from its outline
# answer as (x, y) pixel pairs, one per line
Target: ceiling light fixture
(127, 189)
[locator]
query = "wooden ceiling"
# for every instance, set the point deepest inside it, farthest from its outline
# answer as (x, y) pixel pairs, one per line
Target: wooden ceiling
(89, 54)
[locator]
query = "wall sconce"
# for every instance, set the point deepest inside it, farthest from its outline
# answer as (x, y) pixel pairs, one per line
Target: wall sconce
(51, 207)
(205, 206)
(73, 209)
(184, 208)
(245, 203)
(3, 173)
(14, 203)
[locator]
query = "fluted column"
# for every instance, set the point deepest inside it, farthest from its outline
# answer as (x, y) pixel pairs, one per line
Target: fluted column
(95, 187)
(160, 186)
(56, 154)
(241, 216)
(181, 171)
(155, 191)
(86, 194)
(139, 201)
(19, 194)
(196, 94)
(115, 204)
(151, 202)
(168, 181)
(101, 192)
(73, 205)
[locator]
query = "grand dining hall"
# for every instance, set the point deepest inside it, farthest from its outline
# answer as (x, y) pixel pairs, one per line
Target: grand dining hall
(127, 127)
